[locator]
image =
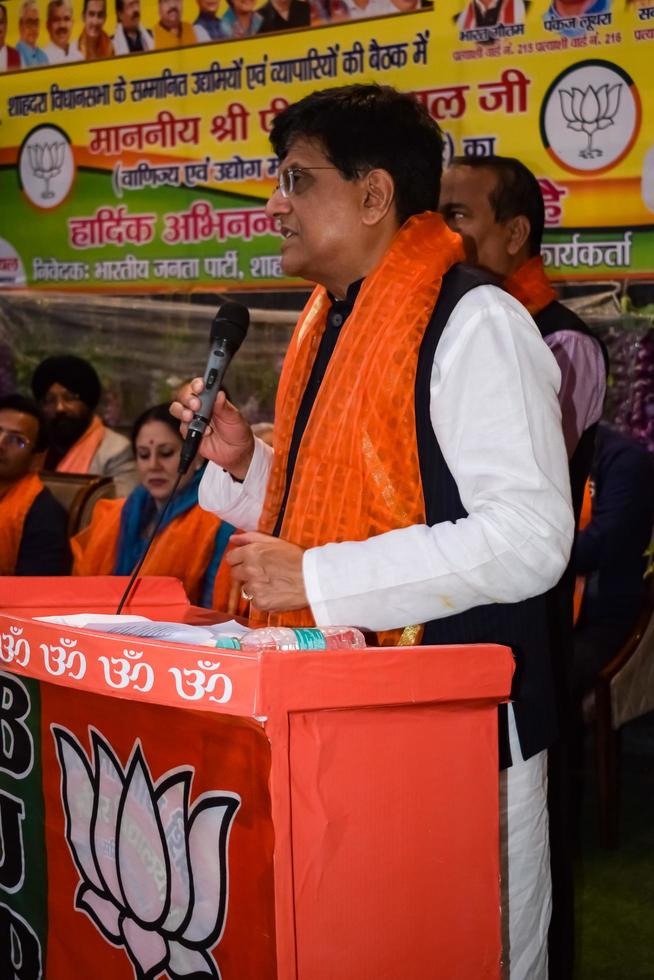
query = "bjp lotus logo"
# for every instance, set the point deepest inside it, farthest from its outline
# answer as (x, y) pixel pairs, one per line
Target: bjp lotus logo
(46, 161)
(590, 116)
(590, 111)
(153, 867)
(46, 166)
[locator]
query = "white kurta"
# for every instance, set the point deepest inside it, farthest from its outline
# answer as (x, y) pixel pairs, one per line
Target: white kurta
(57, 55)
(495, 412)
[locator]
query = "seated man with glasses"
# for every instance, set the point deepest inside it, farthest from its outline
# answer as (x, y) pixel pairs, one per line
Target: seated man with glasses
(68, 390)
(33, 525)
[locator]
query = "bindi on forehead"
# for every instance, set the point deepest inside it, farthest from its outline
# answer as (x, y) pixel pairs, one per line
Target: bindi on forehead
(151, 442)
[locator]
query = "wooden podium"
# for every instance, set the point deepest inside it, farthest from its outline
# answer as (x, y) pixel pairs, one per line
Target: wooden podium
(194, 812)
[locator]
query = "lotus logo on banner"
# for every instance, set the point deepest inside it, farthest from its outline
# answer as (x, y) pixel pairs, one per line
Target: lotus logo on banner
(46, 166)
(47, 161)
(590, 117)
(153, 868)
(589, 111)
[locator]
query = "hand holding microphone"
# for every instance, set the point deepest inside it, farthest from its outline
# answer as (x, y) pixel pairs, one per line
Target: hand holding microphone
(228, 440)
(210, 422)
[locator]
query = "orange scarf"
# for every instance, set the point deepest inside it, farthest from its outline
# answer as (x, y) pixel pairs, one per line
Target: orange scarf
(103, 49)
(183, 549)
(14, 508)
(79, 456)
(530, 286)
(357, 472)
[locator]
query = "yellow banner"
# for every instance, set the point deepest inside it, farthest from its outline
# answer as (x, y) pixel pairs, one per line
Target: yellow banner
(150, 169)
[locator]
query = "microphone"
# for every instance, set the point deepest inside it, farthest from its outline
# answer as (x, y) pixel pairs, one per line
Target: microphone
(228, 332)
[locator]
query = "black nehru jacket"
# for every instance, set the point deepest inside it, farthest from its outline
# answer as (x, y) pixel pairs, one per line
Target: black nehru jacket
(44, 548)
(522, 625)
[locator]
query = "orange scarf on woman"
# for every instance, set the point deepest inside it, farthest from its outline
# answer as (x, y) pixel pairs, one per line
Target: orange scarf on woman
(183, 549)
(79, 456)
(357, 472)
(14, 508)
(530, 286)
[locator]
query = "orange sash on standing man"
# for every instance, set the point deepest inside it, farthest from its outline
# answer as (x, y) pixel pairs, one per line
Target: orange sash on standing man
(530, 286)
(357, 472)
(14, 508)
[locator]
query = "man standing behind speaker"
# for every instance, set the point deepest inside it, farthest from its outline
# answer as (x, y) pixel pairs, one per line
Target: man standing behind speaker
(496, 205)
(417, 484)
(68, 390)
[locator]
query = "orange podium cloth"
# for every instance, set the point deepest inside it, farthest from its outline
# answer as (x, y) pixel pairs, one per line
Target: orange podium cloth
(156, 597)
(14, 508)
(357, 472)
(266, 816)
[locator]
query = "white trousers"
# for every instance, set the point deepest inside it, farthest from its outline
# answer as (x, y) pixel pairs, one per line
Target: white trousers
(525, 868)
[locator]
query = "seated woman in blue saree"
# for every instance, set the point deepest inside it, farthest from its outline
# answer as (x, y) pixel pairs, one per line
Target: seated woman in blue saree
(190, 543)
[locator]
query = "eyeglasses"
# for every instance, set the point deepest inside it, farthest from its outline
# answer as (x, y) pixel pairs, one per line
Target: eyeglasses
(13, 439)
(66, 397)
(288, 178)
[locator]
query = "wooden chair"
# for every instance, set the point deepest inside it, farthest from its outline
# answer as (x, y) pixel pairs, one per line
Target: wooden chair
(624, 690)
(78, 493)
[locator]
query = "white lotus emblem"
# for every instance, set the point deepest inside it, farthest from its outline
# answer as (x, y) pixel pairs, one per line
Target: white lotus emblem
(46, 161)
(590, 111)
(153, 871)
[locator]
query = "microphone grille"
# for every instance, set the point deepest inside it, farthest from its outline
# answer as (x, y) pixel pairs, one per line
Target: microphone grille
(231, 322)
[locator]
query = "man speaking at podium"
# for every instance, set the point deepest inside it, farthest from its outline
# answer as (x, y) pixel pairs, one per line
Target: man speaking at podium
(418, 484)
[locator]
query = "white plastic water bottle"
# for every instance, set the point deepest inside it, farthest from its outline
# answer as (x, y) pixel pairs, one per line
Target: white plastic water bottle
(287, 638)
